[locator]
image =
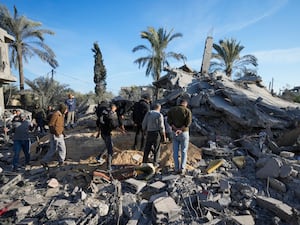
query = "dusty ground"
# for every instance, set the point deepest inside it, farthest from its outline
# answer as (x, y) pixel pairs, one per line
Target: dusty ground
(83, 147)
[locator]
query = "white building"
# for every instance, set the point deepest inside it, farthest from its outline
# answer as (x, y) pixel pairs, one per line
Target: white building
(5, 71)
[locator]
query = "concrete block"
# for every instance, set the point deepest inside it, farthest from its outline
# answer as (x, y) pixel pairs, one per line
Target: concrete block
(279, 208)
(224, 186)
(34, 199)
(244, 220)
(286, 154)
(11, 184)
(135, 185)
(162, 194)
(53, 183)
(158, 185)
(103, 209)
(285, 171)
(277, 185)
(165, 209)
(270, 169)
(29, 221)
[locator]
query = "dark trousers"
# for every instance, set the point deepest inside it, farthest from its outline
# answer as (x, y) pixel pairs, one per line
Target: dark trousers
(17, 147)
(152, 144)
(139, 131)
(109, 146)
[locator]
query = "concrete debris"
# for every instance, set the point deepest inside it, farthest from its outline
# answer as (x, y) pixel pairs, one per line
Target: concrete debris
(165, 210)
(280, 209)
(242, 167)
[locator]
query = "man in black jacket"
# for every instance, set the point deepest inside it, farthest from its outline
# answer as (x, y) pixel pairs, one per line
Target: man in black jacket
(140, 109)
(110, 122)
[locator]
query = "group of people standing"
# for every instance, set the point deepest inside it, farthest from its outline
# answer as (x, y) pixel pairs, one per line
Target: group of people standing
(150, 124)
(55, 119)
(154, 124)
(150, 127)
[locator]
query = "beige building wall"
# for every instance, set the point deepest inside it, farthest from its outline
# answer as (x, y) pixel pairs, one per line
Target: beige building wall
(5, 71)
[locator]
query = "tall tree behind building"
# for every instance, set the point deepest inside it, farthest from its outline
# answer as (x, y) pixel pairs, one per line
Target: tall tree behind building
(157, 56)
(227, 58)
(29, 41)
(99, 71)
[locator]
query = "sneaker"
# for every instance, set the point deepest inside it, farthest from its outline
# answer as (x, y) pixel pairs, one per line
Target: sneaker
(44, 164)
(182, 172)
(100, 160)
(15, 169)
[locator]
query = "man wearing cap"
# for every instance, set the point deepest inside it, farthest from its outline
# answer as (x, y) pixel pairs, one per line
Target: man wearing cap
(180, 118)
(21, 140)
(57, 141)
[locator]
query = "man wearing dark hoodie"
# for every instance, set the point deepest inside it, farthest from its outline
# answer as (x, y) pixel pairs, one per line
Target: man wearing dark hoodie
(57, 141)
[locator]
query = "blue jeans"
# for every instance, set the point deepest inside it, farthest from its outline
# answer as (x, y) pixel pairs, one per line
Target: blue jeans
(181, 142)
(18, 145)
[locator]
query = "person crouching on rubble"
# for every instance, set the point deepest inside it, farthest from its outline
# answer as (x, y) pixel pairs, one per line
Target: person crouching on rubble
(110, 122)
(57, 141)
(21, 140)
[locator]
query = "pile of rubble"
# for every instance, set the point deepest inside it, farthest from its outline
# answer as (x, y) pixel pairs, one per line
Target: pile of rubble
(224, 186)
(244, 171)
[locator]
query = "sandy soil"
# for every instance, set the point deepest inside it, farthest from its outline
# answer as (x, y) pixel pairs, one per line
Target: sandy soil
(83, 147)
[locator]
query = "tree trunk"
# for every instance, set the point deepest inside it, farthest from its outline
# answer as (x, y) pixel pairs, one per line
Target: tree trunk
(21, 76)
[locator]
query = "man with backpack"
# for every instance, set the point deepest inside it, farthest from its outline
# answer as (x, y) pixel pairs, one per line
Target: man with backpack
(108, 121)
(140, 109)
(101, 107)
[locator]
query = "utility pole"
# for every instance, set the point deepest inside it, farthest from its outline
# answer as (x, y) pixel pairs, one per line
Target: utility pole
(52, 74)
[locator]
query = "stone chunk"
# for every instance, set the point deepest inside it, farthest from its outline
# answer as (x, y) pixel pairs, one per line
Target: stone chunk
(286, 154)
(53, 183)
(154, 197)
(270, 169)
(158, 185)
(277, 185)
(29, 221)
(285, 171)
(11, 183)
(134, 185)
(244, 220)
(165, 210)
(36, 199)
(279, 208)
(138, 212)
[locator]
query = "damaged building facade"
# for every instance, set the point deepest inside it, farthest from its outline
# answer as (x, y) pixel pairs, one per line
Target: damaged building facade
(246, 171)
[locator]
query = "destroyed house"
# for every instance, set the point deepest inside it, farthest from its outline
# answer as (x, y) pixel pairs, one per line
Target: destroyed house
(5, 70)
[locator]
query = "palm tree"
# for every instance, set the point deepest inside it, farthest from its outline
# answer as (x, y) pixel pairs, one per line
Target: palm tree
(29, 41)
(227, 58)
(47, 90)
(157, 57)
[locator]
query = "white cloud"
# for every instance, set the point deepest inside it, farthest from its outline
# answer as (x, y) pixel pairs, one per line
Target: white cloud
(256, 17)
(282, 56)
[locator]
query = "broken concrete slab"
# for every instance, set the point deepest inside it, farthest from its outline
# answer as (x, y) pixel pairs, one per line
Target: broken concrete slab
(165, 210)
(279, 208)
(270, 169)
(134, 185)
(244, 220)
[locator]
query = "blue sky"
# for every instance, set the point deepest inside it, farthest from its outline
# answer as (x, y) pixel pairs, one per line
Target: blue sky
(268, 29)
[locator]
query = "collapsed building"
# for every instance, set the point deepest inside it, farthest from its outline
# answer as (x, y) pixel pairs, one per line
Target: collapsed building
(246, 171)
